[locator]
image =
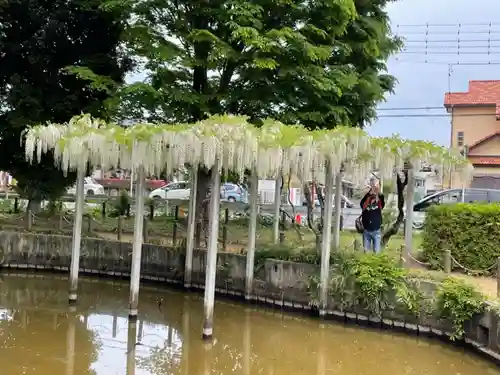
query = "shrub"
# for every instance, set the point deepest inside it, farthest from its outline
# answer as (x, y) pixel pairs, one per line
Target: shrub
(458, 302)
(374, 282)
(121, 205)
(470, 231)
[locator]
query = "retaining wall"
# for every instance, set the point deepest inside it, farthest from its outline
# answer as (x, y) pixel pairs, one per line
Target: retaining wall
(277, 283)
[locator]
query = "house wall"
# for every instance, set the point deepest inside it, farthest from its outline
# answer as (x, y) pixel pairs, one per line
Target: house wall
(475, 122)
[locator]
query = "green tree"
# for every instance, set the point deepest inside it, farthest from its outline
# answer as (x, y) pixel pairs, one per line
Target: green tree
(57, 59)
(320, 63)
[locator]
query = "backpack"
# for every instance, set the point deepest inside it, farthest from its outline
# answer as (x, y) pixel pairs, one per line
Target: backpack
(358, 223)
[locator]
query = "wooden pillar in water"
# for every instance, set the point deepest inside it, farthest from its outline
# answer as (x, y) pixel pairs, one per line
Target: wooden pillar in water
(135, 276)
(140, 332)
(252, 232)
(247, 345)
(77, 235)
(131, 335)
(186, 326)
(208, 305)
(70, 345)
(191, 227)
(321, 370)
(327, 241)
(115, 325)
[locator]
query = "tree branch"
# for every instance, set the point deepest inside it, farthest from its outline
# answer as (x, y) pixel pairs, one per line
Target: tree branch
(394, 228)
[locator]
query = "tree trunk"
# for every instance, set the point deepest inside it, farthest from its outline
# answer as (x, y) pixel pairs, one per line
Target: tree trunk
(202, 199)
(310, 214)
(394, 228)
(34, 205)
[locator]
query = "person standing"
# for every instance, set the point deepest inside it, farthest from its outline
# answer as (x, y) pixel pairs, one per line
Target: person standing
(372, 205)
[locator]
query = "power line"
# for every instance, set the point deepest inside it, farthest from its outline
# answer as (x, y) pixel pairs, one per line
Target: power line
(432, 47)
(457, 40)
(395, 58)
(409, 108)
(437, 115)
(457, 32)
(460, 24)
(449, 53)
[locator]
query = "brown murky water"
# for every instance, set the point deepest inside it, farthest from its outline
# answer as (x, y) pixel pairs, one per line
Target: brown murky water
(40, 336)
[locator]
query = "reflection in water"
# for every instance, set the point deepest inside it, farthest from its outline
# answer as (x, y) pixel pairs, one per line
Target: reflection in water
(131, 345)
(321, 351)
(38, 336)
(70, 346)
(247, 344)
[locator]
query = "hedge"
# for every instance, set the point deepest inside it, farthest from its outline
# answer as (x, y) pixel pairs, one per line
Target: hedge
(471, 231)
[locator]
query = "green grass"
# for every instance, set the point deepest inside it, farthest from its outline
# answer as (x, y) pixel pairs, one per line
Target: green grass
(160, 230)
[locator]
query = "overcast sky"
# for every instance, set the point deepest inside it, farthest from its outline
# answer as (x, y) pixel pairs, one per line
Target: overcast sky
(424, 84)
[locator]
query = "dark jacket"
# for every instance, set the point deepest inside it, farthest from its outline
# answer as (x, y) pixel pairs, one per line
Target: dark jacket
(371, 211)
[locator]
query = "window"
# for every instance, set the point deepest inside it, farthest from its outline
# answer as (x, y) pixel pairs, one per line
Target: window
(472, 196)
(173, 186)
(460, 139)
(452, 196)
(494, 196)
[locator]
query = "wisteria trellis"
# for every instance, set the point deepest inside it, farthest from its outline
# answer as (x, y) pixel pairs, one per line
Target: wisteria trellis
(239, 145)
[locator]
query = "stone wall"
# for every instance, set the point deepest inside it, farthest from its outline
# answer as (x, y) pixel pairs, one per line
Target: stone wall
(277, 283)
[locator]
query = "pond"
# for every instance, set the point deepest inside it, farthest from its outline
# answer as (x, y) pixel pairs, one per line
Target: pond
(41, 335)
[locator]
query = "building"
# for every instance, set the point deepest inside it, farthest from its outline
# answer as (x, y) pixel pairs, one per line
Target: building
(475, 129)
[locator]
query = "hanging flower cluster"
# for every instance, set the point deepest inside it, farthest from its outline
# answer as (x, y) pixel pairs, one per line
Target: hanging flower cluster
(232, 143)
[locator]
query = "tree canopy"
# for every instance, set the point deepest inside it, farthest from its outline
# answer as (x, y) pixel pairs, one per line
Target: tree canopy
(51, 54)
(320, 63)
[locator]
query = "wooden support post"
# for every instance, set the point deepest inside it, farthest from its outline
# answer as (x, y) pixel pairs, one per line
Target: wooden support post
(89, 224)
(402, 254)
(197, 236)
(151, 211)
(224, 229)
(282, 227)
(135, 274)
(77, 235)
(61, 220)
(211, 265)
(498, 277)
(29, 221)
(174, 229)
(145, 231)
(252, 229)
(357, 244)
(103, 211)
(447, 261)
(119, 228)
(192, 229)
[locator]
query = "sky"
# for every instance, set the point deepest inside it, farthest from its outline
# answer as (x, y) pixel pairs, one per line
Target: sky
(424, 72)
(424, 78)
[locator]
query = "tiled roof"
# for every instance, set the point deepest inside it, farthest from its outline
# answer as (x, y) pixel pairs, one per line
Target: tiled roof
(480, 93)
(485, 139)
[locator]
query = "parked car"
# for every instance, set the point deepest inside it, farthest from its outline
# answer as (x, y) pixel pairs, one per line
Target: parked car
(90, 187)
(172, 190)
(470, 195)
(233, 193)
(345, 202)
